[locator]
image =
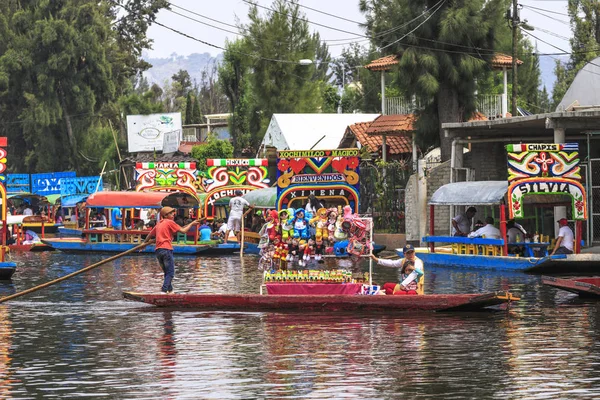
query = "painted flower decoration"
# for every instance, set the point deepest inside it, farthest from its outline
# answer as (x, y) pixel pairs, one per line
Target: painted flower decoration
(544, 162)
(516, 205)
(353, 162)
(283, 165)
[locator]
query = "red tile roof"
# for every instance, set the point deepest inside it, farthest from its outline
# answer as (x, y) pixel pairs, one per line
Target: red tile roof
(382, 64)
(503, 60)
(396, 144)
(392, 125)
(385, 63)
(186, 147)
(478, 116)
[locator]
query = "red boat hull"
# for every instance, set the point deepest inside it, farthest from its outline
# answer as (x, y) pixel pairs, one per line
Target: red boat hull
(584, 287)
(256, 302)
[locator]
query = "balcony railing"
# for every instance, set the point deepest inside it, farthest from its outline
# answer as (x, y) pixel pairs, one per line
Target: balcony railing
(489, 105)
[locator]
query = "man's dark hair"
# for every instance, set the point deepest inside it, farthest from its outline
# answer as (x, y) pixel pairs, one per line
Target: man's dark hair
(489, 220)
(472, 209)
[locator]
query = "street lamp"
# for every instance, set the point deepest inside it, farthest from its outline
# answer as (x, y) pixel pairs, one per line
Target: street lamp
(306, 61)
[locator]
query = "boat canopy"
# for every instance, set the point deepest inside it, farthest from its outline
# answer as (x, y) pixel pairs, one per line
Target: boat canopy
(470, 193)
(141, 200)
(262, 198)
(29, 198)
(71, 200)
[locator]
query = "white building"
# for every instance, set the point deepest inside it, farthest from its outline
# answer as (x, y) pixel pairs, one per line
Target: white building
(310, 131)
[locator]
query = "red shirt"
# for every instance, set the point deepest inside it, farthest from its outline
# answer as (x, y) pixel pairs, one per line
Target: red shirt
(164, 231)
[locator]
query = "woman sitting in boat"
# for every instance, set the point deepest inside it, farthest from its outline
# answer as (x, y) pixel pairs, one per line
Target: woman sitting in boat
(411, 273)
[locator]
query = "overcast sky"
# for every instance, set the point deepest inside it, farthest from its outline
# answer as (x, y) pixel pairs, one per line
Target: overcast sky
(167, 42)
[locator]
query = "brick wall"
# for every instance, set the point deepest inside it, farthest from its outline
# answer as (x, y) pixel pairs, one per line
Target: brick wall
(488, 160)
(410, 221)
(437, 177)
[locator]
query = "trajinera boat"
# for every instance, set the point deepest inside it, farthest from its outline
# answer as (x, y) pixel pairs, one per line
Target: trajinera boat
(533, 194)
(257, 302)
(583, 286)
(108, 239)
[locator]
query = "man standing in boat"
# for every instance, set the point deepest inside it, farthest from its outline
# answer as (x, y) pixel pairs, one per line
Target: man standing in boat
(565, 239)
(461, 224)
(411, 283)
(164, 231)
(236, 212)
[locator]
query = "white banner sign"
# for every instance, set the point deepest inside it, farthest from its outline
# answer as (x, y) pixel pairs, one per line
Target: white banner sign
(171, 141)
(146, 132)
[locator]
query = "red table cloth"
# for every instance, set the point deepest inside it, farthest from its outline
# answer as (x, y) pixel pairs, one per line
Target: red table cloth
(313, 288)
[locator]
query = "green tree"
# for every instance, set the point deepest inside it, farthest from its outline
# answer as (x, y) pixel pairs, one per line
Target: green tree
(286, 86)
(196, 114)
(189, 109)
(62, 66)
(213, 148)
(585, 24)
(182, 77)
(443, 67)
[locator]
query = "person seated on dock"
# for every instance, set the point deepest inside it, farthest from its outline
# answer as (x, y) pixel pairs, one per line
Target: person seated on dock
(489, 231)
(461, 224)
(411, 263)
(565, 239)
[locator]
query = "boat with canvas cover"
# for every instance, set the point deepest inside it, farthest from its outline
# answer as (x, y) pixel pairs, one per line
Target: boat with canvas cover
(531, 194)
(107, 239)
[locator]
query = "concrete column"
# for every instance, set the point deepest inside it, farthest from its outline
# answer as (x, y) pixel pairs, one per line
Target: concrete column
(383, 92)
(505, 93)
(421, 199)
(415, 156)
(559, 212)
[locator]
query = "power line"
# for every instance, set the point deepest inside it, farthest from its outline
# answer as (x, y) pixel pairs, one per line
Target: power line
(305, 20)
(551, 33)
(323, 12)
(543, 9)
(417, 27)
(558, 48)
(555, 19)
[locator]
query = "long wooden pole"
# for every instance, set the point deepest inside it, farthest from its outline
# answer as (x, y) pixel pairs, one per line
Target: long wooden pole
(36, 288)
(242, 239)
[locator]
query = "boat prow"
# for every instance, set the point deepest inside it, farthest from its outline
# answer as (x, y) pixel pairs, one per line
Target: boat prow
(584, 287)
(257, 302)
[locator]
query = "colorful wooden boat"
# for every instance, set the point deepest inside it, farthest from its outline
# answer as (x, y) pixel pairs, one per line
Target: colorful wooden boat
(531, 187)
(37, 224)
(257, 302)
(111, 240)
(559, 263)
(78, 245)
(7, 269)
(584, 287)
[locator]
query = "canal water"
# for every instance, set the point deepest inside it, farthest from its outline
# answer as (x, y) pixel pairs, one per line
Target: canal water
(80, 338)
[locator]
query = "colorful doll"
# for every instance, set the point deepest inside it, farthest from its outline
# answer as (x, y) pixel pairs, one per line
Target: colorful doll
(293, 250)
(285, 218)
(321, 224)
(308, 250)
(300, 224)
(319, 249)
(272, 224)
(332, 215)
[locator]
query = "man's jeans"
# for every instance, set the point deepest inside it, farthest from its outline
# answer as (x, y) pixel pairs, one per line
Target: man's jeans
(167, 263)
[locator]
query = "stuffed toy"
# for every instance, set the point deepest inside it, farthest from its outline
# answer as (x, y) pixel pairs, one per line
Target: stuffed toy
(300, 224)
(285, 222)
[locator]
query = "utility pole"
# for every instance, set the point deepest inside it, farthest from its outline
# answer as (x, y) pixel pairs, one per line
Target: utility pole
(515, 27)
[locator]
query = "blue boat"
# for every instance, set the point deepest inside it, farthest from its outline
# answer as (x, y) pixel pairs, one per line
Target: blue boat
(109, 240)
(492, 254)
(7, 269)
